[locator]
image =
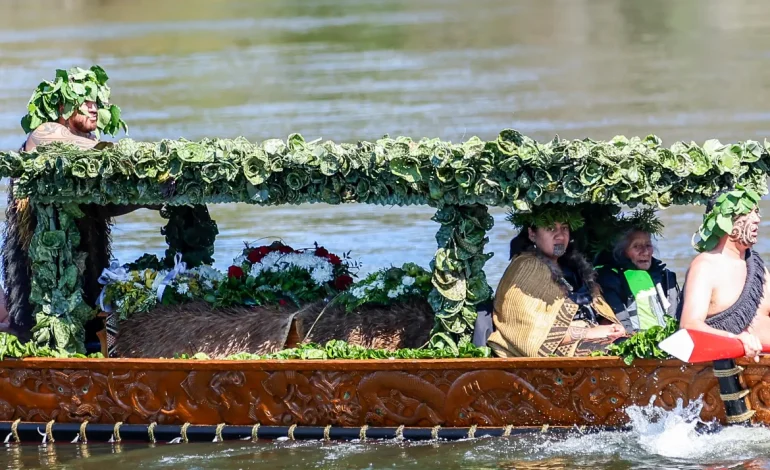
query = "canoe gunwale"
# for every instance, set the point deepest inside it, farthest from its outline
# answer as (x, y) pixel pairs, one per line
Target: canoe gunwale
(345, 364)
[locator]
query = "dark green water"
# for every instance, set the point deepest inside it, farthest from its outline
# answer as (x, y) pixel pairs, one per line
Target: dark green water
(356, 69)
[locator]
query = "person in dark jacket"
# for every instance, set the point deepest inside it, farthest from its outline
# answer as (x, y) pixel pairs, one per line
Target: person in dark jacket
(638, 287)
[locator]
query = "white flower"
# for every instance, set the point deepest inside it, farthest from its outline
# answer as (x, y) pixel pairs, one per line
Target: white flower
(208, 273)
(321, 270)
(182, 288)
(407, 280)
(358, 292)
(208, 284)
(239, 260)
(392, 294)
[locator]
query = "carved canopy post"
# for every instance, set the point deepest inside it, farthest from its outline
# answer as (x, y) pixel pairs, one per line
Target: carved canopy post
(57, 278)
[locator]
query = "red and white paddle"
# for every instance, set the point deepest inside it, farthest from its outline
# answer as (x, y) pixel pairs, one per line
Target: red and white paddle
(699, 346)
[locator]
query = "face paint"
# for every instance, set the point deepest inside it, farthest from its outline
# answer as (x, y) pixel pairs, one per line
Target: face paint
(559, 249)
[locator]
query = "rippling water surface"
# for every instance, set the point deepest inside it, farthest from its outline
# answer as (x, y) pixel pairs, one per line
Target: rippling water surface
(656, 440)
(357, 69)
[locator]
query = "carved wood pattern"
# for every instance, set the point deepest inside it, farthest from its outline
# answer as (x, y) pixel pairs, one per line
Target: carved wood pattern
(379, 393)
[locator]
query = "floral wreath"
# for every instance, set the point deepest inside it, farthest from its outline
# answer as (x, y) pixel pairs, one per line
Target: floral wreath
(547, 216)
(67, 94)
(719, 221)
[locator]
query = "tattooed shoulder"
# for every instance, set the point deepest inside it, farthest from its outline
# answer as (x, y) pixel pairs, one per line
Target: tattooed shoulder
(54, 132)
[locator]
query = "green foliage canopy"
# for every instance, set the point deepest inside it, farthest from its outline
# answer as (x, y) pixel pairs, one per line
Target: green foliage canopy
(460, 180)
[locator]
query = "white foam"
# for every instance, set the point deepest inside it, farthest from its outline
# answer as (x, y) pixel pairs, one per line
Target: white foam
(673, 435)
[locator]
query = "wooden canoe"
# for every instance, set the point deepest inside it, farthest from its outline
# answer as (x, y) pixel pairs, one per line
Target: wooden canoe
(522, 392)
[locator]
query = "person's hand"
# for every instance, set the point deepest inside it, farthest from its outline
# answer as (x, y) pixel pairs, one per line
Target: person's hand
(751, 345)
(613, 332)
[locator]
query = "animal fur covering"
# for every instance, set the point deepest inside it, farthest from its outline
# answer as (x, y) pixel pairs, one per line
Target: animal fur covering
(20, 223)
(197, 328)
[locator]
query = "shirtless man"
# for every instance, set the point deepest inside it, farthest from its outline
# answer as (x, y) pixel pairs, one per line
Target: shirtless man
(76, 130)
(725, 291)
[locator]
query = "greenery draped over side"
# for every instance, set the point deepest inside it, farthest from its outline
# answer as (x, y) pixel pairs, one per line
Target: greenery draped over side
(460, 180)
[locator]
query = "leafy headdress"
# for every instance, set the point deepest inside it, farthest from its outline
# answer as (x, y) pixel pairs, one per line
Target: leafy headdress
(643, 220)
(67, 94)
(718, 221)
(546, 216)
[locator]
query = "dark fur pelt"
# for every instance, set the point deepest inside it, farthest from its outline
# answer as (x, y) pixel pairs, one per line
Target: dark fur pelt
(196, 327)
(95, 241)
(576, 262)
(17, 273)
(403, 325)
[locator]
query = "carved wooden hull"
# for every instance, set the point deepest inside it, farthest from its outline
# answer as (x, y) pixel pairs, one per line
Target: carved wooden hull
(423, 393)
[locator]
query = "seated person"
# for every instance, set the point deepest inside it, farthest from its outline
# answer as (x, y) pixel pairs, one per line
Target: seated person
(548, 302)
(637, 285)
(726, 291)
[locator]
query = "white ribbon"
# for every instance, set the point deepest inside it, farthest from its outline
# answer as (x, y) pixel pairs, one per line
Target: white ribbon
(179, 268)
(115, 273)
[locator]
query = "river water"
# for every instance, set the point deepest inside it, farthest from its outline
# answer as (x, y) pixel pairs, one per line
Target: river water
(357, 69)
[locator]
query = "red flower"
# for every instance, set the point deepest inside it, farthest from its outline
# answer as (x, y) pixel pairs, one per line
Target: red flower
(235, 272)
(343, 282)
(263, 250)
(334, 259)
(285, 249)
(255, 256)
(282, 302)
(322, 252)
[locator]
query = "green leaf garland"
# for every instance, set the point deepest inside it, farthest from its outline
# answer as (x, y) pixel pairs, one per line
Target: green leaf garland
(66, 95)
(719, 221)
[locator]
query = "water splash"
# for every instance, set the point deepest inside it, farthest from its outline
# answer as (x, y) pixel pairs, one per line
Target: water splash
(666, 436)
(667, 433)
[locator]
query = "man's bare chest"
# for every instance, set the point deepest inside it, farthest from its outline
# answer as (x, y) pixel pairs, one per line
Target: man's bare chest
(730, 279)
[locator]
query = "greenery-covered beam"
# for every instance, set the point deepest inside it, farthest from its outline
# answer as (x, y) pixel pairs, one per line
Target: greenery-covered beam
(511, 170)
(57, 274)
(459, 282)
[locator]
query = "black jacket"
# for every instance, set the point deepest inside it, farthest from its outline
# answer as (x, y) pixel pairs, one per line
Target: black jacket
(617, 292)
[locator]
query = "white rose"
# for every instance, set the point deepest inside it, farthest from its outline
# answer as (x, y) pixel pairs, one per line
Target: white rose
(407, 280)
